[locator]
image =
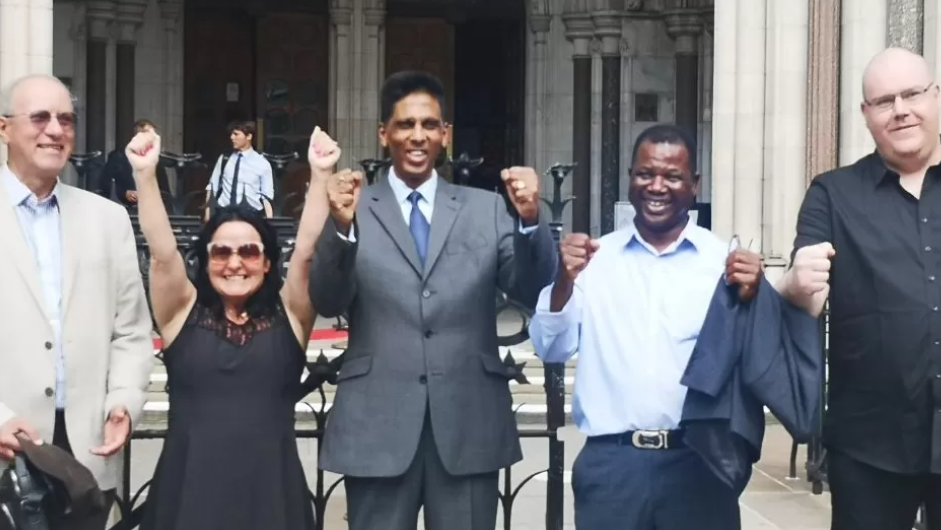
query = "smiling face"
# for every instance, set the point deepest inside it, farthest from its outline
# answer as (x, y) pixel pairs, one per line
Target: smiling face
(40, 128)
(415, 135)
(237, 263)
(901, 107)
(662, 189)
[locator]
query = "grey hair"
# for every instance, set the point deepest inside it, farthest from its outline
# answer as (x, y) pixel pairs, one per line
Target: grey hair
(6, 98)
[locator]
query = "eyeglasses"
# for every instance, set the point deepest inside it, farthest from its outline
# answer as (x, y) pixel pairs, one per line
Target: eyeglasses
(910, 96)
(41, 118)
(248, 252)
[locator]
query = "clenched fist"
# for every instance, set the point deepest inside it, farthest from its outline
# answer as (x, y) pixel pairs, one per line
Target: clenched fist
(743, 268)
(143, 152)
(576, 251)
(323, 152)
(9, 433)
(343, 194)
(811, 274)
(522, 187)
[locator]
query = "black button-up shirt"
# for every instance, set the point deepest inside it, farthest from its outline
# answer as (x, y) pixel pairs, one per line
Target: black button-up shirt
(885, 323)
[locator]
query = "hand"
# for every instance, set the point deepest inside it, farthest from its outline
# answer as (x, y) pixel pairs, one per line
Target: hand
(130, 196)
(343, 194)
(522, 187)
(743, 268)
(117, 431)
(324, 152)
(143, 151)
(576, 251)
(811, 274)
(8, 437)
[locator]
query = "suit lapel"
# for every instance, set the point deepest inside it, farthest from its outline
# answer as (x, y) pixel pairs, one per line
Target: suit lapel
(12, 238)
(70, 233)
(389, 214)
(448, 203)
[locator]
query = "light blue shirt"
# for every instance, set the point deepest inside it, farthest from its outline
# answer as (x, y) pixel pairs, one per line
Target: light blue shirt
(255, 179)
(634, 317)
(426, 204)
(39, 220)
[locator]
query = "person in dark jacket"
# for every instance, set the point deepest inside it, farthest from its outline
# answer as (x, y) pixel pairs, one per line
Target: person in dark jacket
(118, 173)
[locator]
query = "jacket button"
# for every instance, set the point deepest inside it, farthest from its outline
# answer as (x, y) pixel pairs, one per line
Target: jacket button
(426, 294)
(428, 334)
(50, 392)
(48, 345)
(423, 379)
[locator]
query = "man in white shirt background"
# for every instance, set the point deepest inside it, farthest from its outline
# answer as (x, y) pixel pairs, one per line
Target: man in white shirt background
(242, 177)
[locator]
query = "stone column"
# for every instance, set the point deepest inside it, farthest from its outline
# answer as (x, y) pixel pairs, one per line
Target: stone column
(171, 126)
(579, 29)
(608, 30)
(905, 21)
(685, 26)
(705, 142)
(100, 20)
(823, 87)
(749, 121)
(130, 17)
(722, 112)
(40, 36)
(863, 35)
(341, 18)
(374, 17)
(785, 129)
(537, 131)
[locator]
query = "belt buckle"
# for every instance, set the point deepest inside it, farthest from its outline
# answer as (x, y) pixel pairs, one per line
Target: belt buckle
(650, 439)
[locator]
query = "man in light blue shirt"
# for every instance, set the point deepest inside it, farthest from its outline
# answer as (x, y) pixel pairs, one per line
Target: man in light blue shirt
(632, 304)
(244, 177)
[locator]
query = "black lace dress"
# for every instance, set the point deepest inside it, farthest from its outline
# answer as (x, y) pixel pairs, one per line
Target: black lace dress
(230, 460)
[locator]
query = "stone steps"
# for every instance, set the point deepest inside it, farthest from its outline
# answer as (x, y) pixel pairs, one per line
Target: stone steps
(529, 400)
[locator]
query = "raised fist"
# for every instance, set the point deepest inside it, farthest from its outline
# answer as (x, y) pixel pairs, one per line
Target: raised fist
(343, 194)
(811, 275)
(143, 151)
(323, 152)
(522, 187)
(576, 251)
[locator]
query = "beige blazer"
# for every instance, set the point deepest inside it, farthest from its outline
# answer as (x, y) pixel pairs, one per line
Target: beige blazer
(106, 326)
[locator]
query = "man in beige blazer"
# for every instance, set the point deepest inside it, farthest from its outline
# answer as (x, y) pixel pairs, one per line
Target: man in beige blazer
(75, 329)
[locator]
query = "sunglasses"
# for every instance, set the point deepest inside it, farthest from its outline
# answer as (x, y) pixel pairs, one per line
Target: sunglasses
(248, 252)
(41, 119)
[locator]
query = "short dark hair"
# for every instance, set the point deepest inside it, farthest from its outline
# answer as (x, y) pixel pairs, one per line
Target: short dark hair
(245, 127)
(142, 124)
(665, 133)
(400, 85)
(266, 302)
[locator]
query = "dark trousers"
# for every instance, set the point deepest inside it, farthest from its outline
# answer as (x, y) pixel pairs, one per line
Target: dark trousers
(620, 487)
(60, 439)
(867, 498)
(450, 502)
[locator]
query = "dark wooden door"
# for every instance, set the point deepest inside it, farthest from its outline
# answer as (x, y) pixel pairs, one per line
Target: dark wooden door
(291, 94)
(218, 80)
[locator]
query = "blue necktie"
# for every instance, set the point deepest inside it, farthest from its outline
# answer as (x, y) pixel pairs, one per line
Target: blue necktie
(418, 226)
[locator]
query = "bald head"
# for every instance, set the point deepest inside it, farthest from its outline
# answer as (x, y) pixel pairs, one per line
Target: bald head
(22, 85)
(894, 64)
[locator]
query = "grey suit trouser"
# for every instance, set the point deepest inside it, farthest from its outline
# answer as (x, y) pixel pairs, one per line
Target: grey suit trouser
(450, 502)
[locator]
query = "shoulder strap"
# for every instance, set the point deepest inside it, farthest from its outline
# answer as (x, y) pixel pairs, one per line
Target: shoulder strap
(225, 160)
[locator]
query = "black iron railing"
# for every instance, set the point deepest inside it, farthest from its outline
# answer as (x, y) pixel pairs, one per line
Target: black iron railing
(323, 371)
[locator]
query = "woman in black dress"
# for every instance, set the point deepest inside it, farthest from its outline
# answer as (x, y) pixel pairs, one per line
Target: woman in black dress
(235, 344)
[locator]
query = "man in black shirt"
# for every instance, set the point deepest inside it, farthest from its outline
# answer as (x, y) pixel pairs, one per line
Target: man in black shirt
(873, 231)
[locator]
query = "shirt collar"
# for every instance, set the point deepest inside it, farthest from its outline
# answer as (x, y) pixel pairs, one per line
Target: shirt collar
(402, 191)
(874, 166)
(18, 193)
(691, 236)
(248, 152)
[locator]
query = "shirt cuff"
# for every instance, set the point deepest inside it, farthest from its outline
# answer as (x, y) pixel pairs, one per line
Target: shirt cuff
(351, 238)
(527, 230)
(557, 323)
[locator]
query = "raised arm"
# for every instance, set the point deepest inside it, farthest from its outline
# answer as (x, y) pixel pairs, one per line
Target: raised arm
(171, 293)
(332, 275)
(806, 282)
(322, 155)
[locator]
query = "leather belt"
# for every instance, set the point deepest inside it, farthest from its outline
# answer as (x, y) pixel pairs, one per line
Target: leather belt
(655, 440)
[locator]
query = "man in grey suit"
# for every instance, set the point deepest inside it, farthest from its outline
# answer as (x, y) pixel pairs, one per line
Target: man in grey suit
(422, 414)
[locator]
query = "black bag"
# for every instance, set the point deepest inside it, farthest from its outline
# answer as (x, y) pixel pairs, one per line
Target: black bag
(24, 494)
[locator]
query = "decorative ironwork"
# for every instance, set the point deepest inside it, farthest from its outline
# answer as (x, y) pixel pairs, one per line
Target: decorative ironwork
(181, 164)
(463, 166)
(372, 166)
(85, 163)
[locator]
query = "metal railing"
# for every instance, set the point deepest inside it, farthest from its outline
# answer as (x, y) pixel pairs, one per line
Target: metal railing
(323, 371)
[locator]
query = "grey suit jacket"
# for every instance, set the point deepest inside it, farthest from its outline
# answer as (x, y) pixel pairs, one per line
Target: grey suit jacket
(425, 336)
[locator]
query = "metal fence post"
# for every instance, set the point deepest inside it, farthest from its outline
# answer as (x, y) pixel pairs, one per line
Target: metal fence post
(555, 373)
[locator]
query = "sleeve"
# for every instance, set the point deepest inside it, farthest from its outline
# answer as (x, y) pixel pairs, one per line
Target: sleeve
(267, 181)
(332, 276)
(814, 223)
(526, 261)
(556, 336)
(215, 176)
(132, 356)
